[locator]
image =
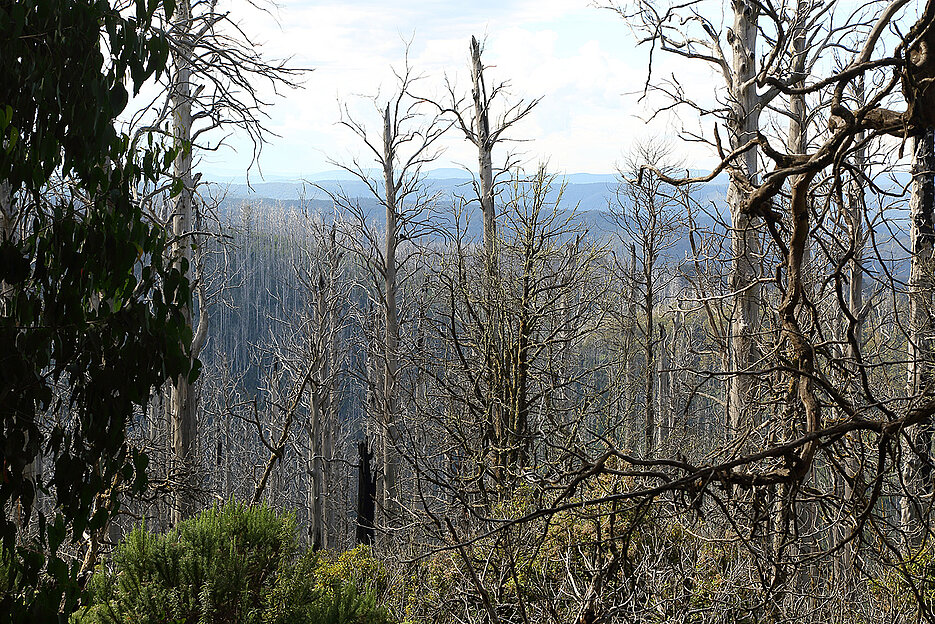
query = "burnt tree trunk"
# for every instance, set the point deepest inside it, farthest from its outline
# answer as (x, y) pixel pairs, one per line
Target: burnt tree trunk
(366, 494)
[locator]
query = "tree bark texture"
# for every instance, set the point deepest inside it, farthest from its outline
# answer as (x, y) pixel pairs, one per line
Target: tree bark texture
(484, 157)
(182, 400)
(917, 440)
(743, 125)
(391, 335)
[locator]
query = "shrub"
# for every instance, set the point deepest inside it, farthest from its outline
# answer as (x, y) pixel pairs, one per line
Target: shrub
(232, 565)
(330, 588)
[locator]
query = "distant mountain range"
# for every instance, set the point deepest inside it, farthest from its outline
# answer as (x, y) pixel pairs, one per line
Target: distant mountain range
(587, 191)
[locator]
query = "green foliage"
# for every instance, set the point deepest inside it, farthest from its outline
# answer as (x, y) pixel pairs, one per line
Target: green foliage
(234, 564)
(320, 590)
(58, 91)
(86, 301)
(905, 592)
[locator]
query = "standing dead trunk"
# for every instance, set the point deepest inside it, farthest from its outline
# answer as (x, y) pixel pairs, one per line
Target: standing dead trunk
(496, 366)
(632, 414)
(322, 422)
(849, 483)
(917, 442)
(484, 157)
(649, 363)
(329, 421)
(664, 392)
(391, 335)
(182, 400)
(743, 125)
(366, 494)
(806, 514)
(316, 528)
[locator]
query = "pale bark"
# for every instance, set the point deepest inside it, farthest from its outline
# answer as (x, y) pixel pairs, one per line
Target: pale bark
(322, 420)
(850, 480)
(182, 400)
(649, 350)
(664, 393)
(484, 156)
(632, 370)
(916, 468)
(391, 327)
(743, 125)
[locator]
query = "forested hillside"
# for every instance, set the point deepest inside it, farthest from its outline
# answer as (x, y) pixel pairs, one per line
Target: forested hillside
(493, 394)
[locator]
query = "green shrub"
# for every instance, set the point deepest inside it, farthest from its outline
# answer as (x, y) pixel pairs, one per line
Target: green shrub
(330, 588)
(232, 565)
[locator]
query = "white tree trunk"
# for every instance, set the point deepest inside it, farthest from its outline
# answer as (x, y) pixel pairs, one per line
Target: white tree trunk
(391, 335)
(182, 399)
(484, 157)
(743, 126)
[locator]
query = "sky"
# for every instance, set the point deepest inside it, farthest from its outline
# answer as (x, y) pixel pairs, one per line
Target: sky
(582, 61)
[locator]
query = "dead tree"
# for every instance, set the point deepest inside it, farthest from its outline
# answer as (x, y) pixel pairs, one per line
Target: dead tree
(212, 86)
(485, 129)
(917, 467)
(366, 495)
(646, 212)
(758, 52)
(407, 143)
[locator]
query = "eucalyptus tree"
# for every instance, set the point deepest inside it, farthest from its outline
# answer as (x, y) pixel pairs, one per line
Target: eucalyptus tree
(786, 200)
(485, 121)
(547, 380)
(825, 412)
(758, 50)
(475, 124)
(310, 337)
(917, 469)
(87, 300)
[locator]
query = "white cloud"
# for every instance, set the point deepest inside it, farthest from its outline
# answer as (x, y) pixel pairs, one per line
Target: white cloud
(582, 61)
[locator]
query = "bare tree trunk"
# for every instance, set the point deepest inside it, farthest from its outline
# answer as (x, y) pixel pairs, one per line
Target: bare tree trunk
(315, 526)
(664, 394)
(498, 427)
(182, 400)
(484, 157)
(649, 364)
(366, 495)
(632, 371)
(330, 487)
(743, 126)
(806, 514)
(391, 335)
(917, 469)
(848, 483)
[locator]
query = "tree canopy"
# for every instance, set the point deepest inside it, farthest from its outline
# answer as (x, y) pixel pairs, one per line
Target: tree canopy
(86, 298)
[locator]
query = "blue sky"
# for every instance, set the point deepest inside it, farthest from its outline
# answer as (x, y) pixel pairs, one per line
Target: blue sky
(581, 60)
